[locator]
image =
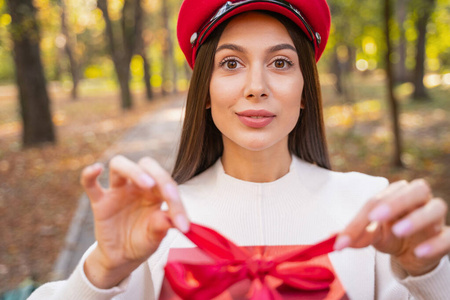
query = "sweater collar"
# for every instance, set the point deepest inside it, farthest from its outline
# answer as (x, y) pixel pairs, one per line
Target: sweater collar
(288, 178)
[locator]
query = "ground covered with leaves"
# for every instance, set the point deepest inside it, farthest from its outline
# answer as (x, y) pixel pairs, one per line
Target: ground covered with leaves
(360, 132)
(39, 188)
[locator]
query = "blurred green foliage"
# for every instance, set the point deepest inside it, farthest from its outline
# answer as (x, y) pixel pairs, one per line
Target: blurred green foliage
(356, 24)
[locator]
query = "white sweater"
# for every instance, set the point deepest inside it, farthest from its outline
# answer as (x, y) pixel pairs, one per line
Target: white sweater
(303, 207)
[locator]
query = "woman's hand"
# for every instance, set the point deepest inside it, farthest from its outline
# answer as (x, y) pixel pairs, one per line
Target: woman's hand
(405, 221)
(129, 224)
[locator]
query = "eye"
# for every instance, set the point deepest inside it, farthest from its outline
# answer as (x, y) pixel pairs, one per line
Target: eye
(279, 63)
(229, 63)
(282, 63)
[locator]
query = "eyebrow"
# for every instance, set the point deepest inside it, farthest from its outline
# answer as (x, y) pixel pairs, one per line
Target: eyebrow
(270, 50)
(231, 47)
(282, 47)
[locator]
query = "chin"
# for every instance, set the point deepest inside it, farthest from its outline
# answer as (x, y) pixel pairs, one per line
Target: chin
(255, 142)
(258, 145)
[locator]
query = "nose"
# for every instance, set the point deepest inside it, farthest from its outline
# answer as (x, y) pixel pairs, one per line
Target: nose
(256, 87)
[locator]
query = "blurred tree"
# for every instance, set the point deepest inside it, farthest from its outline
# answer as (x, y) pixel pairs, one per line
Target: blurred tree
(122, 42)
(34, 100)
(147, 75)
(69, 48)
(424, 9)
(401, 11)
(141, 49)
(340, 58)
(438, 43)
(87, 26)
(170, 68)
(337, 69)
(352, 23)
(52, 57)
(396, 159)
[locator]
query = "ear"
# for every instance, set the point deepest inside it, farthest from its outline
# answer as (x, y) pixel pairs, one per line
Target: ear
(208, 105)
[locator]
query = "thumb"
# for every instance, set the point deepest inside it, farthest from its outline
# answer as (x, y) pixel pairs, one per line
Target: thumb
(158, 225)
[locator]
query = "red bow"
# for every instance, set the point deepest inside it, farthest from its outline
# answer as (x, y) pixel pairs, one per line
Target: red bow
(233, 264)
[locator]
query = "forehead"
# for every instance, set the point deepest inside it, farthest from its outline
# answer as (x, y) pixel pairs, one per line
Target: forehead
(255, 27)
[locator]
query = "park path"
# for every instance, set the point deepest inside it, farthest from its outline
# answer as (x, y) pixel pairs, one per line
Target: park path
(156, 135)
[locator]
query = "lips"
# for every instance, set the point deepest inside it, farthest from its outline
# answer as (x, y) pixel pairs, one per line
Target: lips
(256, 118)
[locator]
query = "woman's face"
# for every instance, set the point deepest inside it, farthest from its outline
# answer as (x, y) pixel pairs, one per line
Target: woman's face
(256, 84)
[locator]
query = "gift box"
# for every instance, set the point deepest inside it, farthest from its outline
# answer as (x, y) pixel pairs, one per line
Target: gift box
(218, 269)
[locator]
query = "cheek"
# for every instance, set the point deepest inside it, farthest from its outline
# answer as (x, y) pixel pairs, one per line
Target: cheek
(219, 102)
(290, 93)
(293, 118)
(224, 85)
(223, 93)
(291, 115)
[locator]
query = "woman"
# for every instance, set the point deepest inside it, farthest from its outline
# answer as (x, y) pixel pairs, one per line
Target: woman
(253, 164)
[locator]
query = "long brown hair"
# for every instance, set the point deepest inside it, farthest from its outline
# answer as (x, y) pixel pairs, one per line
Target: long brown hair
(201, 142)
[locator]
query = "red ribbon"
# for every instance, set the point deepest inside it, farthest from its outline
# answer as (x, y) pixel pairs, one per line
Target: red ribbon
(233, 264)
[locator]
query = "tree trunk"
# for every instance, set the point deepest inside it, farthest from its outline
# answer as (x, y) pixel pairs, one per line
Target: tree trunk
(123, 76)
(396, 159)
(34, 100)
(57, 68)
(120, 45)
(401, 74)
(147, 77)
(68, 47)
(336, 69)
(169, 57)
(132, 22)
(424, 11)
(350, 63)
(342, 68)
(140, 47)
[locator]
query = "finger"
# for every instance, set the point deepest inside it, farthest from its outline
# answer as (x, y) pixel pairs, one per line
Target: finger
(369, 236)
(357, 226)
(122, 169)
(169, 192)
(433, 212)
(401, 201)
(158, 225)
(90, 183)
(437, 246)
(392, 188)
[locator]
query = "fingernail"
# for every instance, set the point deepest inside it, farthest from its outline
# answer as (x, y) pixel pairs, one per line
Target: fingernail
(341, 242)
(380, 213)
(422, 250)
(147, 181)
(182, 223)
(172, 192)
(402, 228)
(97, 165)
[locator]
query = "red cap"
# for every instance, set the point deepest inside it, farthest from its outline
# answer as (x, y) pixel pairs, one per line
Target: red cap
(198, 18)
